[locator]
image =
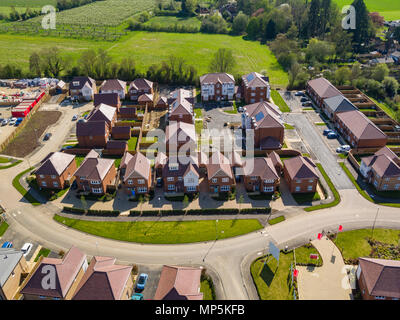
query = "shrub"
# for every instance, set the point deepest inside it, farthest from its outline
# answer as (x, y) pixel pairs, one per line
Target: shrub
(265, 210)
(104, 213)
(150, 213)
(73, 210)
(172, 212)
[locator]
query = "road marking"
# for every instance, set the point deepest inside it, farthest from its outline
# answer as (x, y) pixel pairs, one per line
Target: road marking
(259, 253)
(14, 215)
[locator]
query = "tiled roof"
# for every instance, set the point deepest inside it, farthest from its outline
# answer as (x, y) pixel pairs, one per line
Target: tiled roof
(180, 132)
(81, 82)
(113, 84)
(102, 112)
(339, 104)
(255, 79)
(323, 88)
(111, 99)
(94, 168)
(213, 78)
(384, 162)
(138, 167)
(9, 259)
(265, 114)
(260, 167)
(91, 128)
(219, 166)
(55, 164)
(141, 84)
(301, 168)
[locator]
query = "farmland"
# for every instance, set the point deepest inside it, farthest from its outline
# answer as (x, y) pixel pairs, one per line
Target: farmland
(390, 9)
(27, 3)
(147, 48)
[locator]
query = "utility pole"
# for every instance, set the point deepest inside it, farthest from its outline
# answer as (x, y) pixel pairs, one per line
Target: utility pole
(373, 226)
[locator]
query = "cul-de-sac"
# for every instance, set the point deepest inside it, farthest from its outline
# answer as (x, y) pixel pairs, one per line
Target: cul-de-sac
(199, 150)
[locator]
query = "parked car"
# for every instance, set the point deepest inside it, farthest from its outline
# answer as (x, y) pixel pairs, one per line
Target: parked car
(345, 147)
(26, 248)
(306, 104)
(159, 182)
(240, 109)
(304, 99)
(75, 117)
(7, 244)
(12, 121)
(47, 136)
(4, 122)
(299, 94)
(142, 280)
(327, 131)
(332, 135)
(137, 296)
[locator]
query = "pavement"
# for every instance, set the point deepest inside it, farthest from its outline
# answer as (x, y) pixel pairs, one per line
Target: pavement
(329, 282)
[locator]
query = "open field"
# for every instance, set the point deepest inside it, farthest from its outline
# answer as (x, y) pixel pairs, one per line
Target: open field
(163, 232)
(27, 3)
(166, 21)
(390, 9)
(7, 10)
(147, 48)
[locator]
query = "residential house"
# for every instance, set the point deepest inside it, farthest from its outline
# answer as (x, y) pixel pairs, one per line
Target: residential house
(277, 162)
(321, 89)
(181, 109)
(139, 87)
(82, 88)
(146, 99)
(105, 280)
(359, 131)
(95, 175)
(179, 283)
(92, 134)
(68, 272)
(337, 104)
(382, 170)
(379, 279)
(159, 162)
(121, 132)
(116, 147)
(56, 171)
(105, 113)
(256, 88)
(180, 137)
(13, 267)
(180, 174)
(137, 176)
(114, 86)
(161, 103)
(264, 119)
(301, 175)
(109, 99)
(259, 175)
(217, 87)
(219, 173)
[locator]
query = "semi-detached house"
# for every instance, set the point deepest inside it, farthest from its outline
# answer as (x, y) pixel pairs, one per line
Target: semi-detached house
(217, 87)
(137, 174)
(114, 86)
(301, 175)
(82, 88)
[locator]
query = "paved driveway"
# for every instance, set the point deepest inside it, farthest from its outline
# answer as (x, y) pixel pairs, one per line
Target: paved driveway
(154, 273)
(317, 146)
(329, 282)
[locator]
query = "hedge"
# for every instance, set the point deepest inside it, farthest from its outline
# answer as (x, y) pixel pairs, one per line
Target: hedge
(256, 210)
(73, 210)
(91, 212)
(213, 211)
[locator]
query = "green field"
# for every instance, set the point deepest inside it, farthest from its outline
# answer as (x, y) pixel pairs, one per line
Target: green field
(390, 9)
(27, 3)
(147, 48)
(7, 10)
(166, 21)
(163, 232)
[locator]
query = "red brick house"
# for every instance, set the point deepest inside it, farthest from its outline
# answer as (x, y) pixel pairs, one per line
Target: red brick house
(116, 147)
(93, 134)
(139, 87)
(114, 86)
(95, 174)
(321, 89)
(217, 87)
(219, 173)
(359, 131)
(382, 170)
(255, 88)
(121, 132)
(260, 175)
(301, 175)
(110, 99)
(379, 279)
(264, 119)
(82, 88)
(105, 280)
(179, 283)
(137, 176)
(55, 171)
(277, 162)
(146, 99)
(105, 113)
(180, 137)
(161, 103)
(181, 109)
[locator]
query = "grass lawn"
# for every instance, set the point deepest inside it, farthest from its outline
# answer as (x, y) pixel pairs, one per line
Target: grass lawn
(390, 9)
(3, 228)
(388, 110)
(303, 256)
(24, 143)
(147, 48)
(320, 123)
(79, 160)
(302, 198)
(11, 165)
(288, 126)
(354, 244)
(234, 111)
(207, 290)
(132, 142)
(22, 190)
(278, 100)
(166, 21)
(333, 189)
(198, 113)
(272, 283)
(4, 160)
(276, 220)
(163, 232)
(42, 252)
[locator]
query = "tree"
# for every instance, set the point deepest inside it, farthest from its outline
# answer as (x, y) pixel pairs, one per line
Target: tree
(52, 62)
(270, 31)
(185, 201)
(391, 86)
(363, 31)
(239, 24)
(253, 28)
(188, 7)
(356, 71)
(293, 32)
(342, 75)
(314, 20)
(318, 50)
(293, 73)
(223, 61)
(87, 62)
(102, 64)
(380, 72)
(34, 64)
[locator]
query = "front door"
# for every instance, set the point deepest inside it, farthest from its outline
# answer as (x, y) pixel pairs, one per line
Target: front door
(215, 189)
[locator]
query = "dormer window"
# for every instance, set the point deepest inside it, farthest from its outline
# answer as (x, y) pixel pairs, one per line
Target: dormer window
(75, 83)
(173, 167)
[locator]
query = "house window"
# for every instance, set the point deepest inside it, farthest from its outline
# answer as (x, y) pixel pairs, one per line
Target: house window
(140, 181)
(55, 184)
(42, 176)
(268, 189)
(170, 179)
(95, 181)
(190, 180)
(375, 183)
(44, 184)
(298, 188)
(397, 186)
(385, 186)
(130, 181)
(298, 181)
(97, 190)
(173, 167)
(171, 187)
(225, 179)
(380, 297)
(53, 176)
(309, 188)
(142, 189)
(191, 188)
(225, 188)
(214, 180)
(268, 181)
(253, 178)
(311, 180)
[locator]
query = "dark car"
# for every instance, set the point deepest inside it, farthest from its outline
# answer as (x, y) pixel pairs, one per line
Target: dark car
(327, 131)
(304, 99)
(332, 135)
(47, 136)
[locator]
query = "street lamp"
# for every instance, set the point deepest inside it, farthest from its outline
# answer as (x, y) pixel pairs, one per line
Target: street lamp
(216, 229)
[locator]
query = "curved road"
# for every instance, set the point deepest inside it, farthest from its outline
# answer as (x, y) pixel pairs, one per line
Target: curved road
(229, 258)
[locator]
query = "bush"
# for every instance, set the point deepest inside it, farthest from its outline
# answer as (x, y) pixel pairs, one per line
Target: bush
(104, 213)
(265, 210)
(150, 213)
(172, 212)
(73, 210)
(212, 211)
(134, 213)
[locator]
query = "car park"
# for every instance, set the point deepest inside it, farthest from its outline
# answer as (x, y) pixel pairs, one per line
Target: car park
(142, 280)
(7, 245)
(306, 104)
(47, 136)
(26, 248)
(304, 99)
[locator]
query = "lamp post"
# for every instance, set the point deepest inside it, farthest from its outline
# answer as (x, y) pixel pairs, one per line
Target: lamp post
(216, 230)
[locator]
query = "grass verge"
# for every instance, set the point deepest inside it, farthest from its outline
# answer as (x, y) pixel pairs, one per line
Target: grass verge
(276, 220)
(170, 232)
(278, 100)
(22, 190)
(11, 165)
(3, 227)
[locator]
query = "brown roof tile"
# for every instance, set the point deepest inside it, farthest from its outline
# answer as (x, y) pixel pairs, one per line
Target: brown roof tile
(301, 168)
(213, 78)
(113, 84)
(111, 99)
(260, 167)
(141, 84)
(91, 128)
(55, 164)
(138, 167)
(324, 88)
(94, 168)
